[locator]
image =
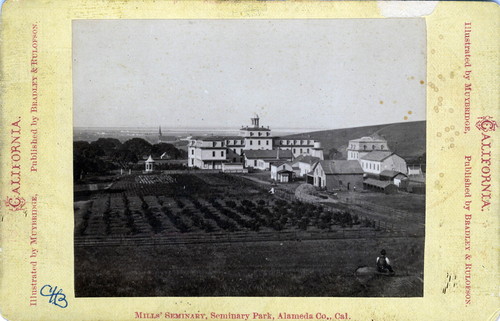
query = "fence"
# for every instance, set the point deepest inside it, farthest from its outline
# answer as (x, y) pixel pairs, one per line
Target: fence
(237, 237)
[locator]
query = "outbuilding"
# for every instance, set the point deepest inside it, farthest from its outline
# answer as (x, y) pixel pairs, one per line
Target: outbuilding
(149, 165)
(262, 159)
(397, 178)
(338, 174)
(386, 187)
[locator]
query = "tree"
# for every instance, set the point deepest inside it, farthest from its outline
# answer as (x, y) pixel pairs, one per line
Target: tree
(124, 157)
(87, 159)
(170, 150)
(138, 146)
(333, 153)
(108, 145)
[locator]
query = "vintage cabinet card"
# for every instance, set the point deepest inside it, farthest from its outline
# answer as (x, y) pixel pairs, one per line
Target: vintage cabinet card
(205, 160)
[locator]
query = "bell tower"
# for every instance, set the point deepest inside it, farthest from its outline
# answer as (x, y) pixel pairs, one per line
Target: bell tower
(255, 121)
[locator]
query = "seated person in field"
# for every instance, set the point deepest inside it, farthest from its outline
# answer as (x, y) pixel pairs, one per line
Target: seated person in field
(383, 263)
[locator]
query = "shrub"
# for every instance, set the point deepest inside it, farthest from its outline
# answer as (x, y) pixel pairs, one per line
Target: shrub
(231, 204)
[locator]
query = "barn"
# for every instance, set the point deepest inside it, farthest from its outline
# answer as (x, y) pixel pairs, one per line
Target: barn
(338, 174)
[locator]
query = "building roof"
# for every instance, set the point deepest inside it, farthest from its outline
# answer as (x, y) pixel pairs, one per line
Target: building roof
(308, 159)
(269, 154)
(150, 159)
(341, 167)
(377, 183)
(297, 136)
(255, 129)
(234, 137)
(389, 173)
(377, 155)
(284, 171)
(209, 138)
(279, 163)
(368, 139)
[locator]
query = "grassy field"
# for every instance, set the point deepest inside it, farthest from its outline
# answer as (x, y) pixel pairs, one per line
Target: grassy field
(287, 268)
(178, 213)
(406, 139)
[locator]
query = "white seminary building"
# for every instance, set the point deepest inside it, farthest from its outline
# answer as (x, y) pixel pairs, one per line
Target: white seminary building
(255, 147)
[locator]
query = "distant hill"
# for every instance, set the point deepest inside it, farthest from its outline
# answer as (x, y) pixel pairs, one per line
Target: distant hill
(405, 139)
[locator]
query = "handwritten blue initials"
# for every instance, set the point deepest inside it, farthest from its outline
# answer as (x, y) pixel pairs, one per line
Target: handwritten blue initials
(56, 296)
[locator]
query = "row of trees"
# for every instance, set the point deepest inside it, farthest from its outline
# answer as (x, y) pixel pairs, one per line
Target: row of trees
(106, 154)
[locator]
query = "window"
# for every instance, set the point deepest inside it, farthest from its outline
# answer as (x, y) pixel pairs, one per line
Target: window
(308, 150)
(364, 147)
(255, 163)
(294, 151)
(258, 142)
(260, 134)
(268, 134)
(192, 161)
(251, 134)
(222, 153)
(192, 151)
(381, 146)
(234, 150)
(373, 146)
(267, 142)
(213, 154)
(214, 143)
(251, 142)
(301, 150)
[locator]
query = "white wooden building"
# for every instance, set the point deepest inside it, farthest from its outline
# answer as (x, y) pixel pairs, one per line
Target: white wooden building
(263, 159)
(282, 172)
(305, 163)
(210, 152)
(360, 147)
(377, 161)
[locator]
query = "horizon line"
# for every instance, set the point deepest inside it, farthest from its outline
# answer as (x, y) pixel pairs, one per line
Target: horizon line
(237, 129)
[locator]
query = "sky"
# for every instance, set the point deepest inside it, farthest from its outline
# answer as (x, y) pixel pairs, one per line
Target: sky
(324, 74)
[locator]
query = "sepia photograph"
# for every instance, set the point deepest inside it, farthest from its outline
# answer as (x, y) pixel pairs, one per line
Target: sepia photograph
(249, 158)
